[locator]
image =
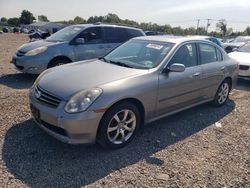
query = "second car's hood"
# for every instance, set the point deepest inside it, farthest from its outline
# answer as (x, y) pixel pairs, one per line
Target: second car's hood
(66, 80)
(241, 57)
(36, 44)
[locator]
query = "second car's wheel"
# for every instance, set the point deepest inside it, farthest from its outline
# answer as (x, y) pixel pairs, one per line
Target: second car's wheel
(119, 126)
(222, 94)
(58, 62)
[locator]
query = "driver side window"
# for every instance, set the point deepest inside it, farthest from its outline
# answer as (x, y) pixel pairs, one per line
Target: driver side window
(185, 55)
(92, 35)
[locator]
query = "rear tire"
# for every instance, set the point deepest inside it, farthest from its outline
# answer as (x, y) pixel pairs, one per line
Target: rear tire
(222, 93)
(119, 126)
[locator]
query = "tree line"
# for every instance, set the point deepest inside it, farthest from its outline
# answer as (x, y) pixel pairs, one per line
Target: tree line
(27, 17)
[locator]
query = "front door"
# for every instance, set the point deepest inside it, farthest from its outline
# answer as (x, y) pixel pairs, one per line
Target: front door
(93, 46)
(180, 89)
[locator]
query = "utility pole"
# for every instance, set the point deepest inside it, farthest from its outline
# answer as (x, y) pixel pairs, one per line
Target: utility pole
(198, 23)
(208, 24)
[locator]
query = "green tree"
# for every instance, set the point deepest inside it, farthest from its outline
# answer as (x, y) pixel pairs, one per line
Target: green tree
(3, 19)
(222, 26)
(79, 20)
(42, 18)
(247, 31)
(112, 18)
(13, 21)
(26, 17)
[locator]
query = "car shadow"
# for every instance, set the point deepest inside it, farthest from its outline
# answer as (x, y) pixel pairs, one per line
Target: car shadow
(243, 84)
(39, 160)
(18, 81)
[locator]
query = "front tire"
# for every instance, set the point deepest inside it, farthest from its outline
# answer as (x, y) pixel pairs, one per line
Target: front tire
(222, 94)
(119, 126)
(58, 62)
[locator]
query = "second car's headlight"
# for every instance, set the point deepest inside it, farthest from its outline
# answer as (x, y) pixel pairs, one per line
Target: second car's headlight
(82, 100)
(36, 51)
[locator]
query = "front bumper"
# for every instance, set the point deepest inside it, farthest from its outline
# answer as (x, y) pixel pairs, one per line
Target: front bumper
(30, 64)
(79, 128)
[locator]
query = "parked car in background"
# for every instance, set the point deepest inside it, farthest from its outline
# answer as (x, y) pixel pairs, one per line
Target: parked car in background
(5, 30)
(107, 100)
(151, 33)
(38, 35)
(73, 43)
(16, 30)
(210, 38)
(236, 43)
(242, 55)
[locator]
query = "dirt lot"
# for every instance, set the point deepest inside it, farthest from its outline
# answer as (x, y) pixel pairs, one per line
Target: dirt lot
(200, 147)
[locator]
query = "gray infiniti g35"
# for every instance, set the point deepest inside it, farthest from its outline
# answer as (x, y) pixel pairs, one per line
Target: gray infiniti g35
(107, 100)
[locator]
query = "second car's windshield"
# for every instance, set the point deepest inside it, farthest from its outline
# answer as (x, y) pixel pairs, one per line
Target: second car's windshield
(245, 48)
(65, 34)
(138, 53)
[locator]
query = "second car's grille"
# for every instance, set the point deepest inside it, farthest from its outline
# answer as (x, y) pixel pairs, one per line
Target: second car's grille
(45, 97)
(244, 67)
(20, 53)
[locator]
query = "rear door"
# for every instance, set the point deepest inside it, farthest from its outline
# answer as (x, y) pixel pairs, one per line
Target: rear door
(180, 89)
(94, 45)
(114, 36)
(213, 68)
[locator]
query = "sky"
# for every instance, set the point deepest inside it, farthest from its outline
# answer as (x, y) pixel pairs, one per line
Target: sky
(174, 12)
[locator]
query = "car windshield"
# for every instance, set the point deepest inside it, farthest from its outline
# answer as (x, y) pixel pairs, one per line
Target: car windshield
(245, 48)
(65, 35)
(141, 54)
(241, 39)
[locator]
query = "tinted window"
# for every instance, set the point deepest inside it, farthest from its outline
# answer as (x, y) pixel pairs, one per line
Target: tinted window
(92, 35)
(207, 53)
(115, 34)
(134, 33)
(185, 55)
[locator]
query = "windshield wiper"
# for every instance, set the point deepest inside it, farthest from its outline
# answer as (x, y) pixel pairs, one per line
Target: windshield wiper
(104, 59)
(120, 64)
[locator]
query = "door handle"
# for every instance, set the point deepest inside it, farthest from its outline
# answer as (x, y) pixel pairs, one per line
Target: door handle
(222, 68)
(196, 74)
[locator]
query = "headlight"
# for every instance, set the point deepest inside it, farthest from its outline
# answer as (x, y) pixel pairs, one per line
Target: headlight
(82, 100)
(36, 51)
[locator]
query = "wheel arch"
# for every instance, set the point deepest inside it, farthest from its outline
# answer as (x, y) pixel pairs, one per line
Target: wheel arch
(134, 101)
(60, 57)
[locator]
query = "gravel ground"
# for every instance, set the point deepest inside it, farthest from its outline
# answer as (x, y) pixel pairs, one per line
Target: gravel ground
(200, 147)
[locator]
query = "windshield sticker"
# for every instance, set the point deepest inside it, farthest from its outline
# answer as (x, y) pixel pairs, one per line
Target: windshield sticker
(149, 64)
(154, 46)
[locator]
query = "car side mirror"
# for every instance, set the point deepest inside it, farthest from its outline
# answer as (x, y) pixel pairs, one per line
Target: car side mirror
(176, 67)
(80, 41)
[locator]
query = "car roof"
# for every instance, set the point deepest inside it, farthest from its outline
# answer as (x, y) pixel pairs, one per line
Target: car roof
(173, 39)
(105, 25)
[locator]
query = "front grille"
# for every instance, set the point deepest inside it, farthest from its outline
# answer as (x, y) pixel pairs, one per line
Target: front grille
(53, 128)
(244, 67)
(20, 53)
(46, 98)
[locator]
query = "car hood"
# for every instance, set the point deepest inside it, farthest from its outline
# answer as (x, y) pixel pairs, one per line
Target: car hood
(241, 57)
(36, 44)
(233, 44)
(66, 80)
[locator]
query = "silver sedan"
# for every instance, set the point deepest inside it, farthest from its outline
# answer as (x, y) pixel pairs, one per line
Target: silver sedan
(108, 99)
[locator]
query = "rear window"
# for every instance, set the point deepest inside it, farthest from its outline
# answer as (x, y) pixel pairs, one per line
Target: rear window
(116, 35)
(134, 33)
(208, 53)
